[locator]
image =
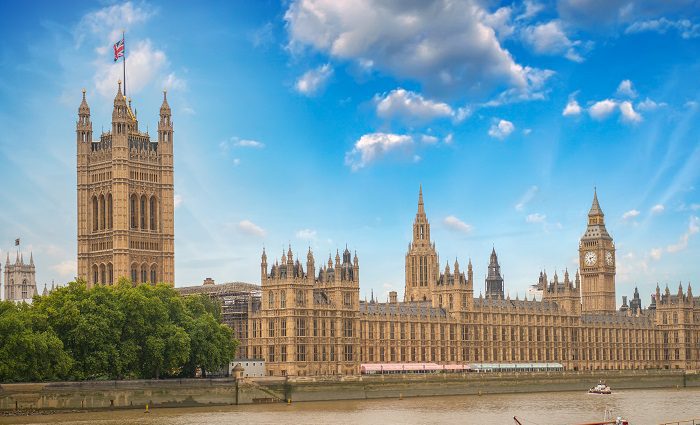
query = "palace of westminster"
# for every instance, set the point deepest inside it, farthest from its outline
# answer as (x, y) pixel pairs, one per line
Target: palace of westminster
(308, 319)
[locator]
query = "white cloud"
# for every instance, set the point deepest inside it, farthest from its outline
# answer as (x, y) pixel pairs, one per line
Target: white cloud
(306, 234)
(655, 253)
(145, 63)
(691, 104)
(500, 21)
(414, 108)
(628, 112)
(107, 23)
(649, 105)
(550, 39)
(177, 200)
(374, 145)
(693, 228)
(685, 28)
(602, 109)
(501, 129)
(597, 14)
(448, 139)
(428, 139)
(657, 209)
(247, 143)
(572, 108)
(236, 162)
(630, 214)
(456, 224)
(527, 197)
(314, 80)
(446, 46)
(532, 8)
(172, 82)
(625, 89)
(250, 228)
(66, 268)
(536, 218)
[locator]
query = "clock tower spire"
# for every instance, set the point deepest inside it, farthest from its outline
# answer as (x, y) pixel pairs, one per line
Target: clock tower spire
(597, 263)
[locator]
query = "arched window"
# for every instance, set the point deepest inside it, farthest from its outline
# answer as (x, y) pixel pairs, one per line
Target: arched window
(134, 212)
(103, 274)
(153, 213)
(283, 299)
(95, 212)
(95, 274)
(144, 273)
(110, 273)
(102, 212)
(143, 212)
(154, 274)
(134, 274)
(109, 211)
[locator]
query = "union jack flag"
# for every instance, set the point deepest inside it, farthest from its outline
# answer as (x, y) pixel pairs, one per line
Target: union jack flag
(118, 49)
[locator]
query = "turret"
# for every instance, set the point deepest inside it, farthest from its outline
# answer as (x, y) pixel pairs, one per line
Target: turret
(83, 127)
(263, 267)
(121, 115)
(310, 267)
(356, 269)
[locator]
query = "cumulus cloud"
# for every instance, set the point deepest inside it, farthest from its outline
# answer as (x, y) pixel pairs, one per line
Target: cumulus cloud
(536, 218)
(146, 63)
(625, 89)
(550, 39)
(602, 109)
(628, 112)
(413, 108)
(456, 224)
(693, 228)
(66, 268)
(306, 234)
(238, 142)
(572, 108)
(685, 28)
(527, 197)
(630, 214)
(610, 14)
(250, 228)
(374, 145)
(649, 105)
(501, 129)
(657, 209)
(446, 46)
(312, 81)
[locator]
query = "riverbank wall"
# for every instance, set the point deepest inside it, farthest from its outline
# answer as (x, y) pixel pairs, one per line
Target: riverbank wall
(95, 395)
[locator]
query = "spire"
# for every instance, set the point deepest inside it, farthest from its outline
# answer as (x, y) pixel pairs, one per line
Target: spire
(45, 291)
(165, 106)
(84, 108)
(31, 258)
(421, 209)
(119, 96)
(264, 256)
(595, 207)
(7, 262)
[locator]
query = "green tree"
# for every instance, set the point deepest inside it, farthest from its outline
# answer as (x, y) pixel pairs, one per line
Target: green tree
(29, 349)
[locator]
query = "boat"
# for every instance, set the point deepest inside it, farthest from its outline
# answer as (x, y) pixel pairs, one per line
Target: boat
(601, 388)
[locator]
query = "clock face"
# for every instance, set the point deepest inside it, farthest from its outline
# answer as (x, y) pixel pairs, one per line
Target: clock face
(590, 258)
(609, 258)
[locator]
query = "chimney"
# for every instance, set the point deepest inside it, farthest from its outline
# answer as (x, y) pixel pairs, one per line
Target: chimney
(392, 297)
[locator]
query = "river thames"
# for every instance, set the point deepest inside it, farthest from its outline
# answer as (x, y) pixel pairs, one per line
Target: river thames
(653, 406)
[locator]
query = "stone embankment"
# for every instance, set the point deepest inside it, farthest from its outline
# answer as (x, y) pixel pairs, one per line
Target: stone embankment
(94, 395)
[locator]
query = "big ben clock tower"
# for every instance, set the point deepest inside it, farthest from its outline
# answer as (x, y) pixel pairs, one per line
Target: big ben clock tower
(597, 264)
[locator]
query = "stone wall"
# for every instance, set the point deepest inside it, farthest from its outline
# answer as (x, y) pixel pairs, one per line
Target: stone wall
(210, 392)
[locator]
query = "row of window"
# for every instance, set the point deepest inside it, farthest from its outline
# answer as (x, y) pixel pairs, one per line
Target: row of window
(143, 212)
(300, 299)
(104, 273)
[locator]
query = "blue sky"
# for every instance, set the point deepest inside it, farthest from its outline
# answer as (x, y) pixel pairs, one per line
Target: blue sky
(314, 122)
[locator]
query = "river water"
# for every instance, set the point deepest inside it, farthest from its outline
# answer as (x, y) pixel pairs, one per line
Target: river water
(653, 406)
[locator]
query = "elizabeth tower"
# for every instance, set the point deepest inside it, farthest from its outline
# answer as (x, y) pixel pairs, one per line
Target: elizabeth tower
(125, 198)
(597, 264)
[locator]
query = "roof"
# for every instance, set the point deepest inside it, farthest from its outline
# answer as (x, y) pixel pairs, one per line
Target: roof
(421, 308)
(221, 289)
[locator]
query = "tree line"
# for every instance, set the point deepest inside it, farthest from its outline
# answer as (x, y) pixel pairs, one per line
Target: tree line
(112, 332)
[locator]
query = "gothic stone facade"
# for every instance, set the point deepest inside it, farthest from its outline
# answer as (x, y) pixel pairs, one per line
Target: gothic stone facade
(20, 279)
(125, 198)
(310, 323)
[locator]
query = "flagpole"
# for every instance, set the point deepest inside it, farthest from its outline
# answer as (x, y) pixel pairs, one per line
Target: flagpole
(124, 62)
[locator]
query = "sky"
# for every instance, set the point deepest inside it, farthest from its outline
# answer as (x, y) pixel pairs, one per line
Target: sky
(313, 123)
